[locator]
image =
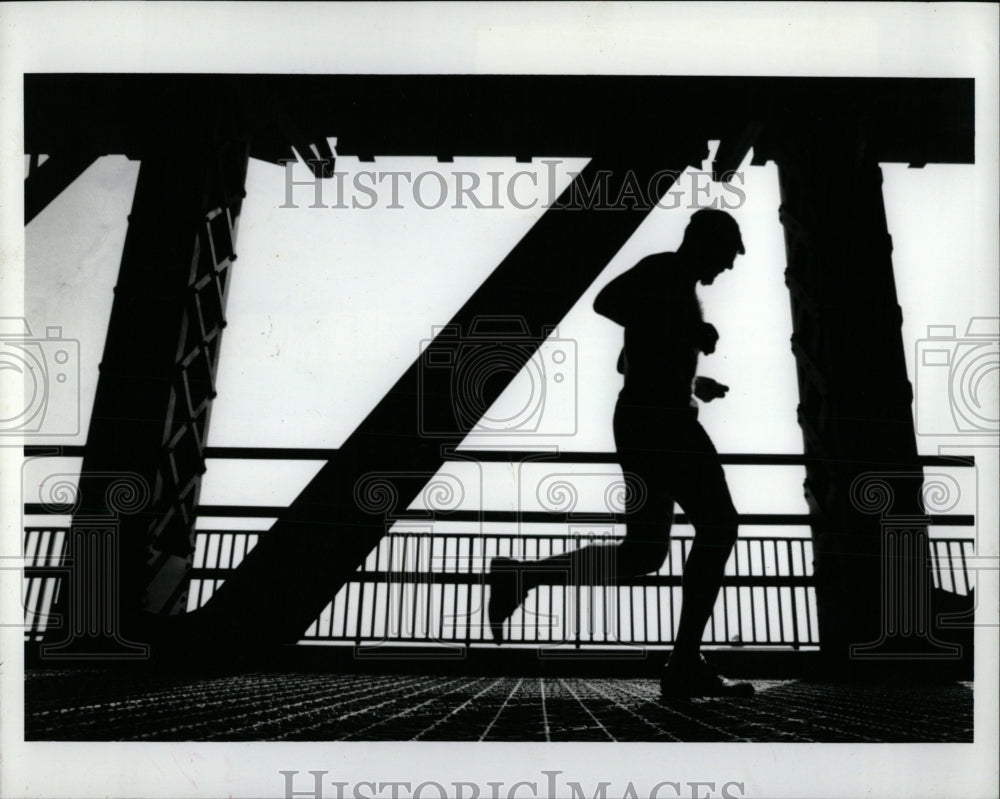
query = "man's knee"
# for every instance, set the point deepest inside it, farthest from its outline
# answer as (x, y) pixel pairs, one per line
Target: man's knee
(720, 529)
(719, 535)
(728, 534)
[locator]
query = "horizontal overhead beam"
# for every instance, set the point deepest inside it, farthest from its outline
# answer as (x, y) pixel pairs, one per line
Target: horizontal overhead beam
(910, 120)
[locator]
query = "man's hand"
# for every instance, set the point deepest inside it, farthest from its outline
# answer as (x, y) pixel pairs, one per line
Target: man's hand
(706, 338)
(706, 389)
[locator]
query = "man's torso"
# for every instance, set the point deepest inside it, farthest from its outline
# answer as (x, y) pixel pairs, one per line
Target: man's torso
(664, 317)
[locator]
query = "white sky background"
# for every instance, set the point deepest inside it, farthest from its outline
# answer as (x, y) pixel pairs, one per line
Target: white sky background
(328, 306)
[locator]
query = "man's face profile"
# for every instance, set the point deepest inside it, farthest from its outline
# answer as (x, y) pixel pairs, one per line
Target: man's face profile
(716, 260)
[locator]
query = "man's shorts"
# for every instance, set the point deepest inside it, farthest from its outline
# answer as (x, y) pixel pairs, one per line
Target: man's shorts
(669, 450)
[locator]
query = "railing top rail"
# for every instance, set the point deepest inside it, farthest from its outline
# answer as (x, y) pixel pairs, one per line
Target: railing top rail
(508, 455)
(393, 533)
(502, 517)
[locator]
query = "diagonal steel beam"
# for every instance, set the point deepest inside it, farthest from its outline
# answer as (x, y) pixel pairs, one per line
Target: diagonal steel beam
(310, 552)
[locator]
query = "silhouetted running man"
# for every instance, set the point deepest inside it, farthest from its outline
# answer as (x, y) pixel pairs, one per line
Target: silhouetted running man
(659, 440)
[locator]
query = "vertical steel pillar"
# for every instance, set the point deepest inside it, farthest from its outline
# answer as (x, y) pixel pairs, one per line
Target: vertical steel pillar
(156, 385)
(855, 406)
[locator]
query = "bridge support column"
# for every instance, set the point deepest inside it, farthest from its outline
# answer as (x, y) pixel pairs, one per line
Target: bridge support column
(855, 408)
(157, 374)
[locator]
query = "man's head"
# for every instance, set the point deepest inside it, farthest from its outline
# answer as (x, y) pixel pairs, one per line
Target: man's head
(711, 243)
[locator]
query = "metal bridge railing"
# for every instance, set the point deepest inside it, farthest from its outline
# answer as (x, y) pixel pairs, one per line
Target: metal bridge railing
(428, 587)
(425, 585)
(421, 586)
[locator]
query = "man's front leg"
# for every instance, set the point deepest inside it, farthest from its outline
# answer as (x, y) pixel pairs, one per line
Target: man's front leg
(687, 674)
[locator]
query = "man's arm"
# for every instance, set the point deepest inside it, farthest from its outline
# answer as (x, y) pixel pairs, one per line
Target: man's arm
(706, 389)
(705, 337)
(612, 300)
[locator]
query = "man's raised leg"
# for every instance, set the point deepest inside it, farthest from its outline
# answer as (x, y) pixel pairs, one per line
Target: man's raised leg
(642, 551)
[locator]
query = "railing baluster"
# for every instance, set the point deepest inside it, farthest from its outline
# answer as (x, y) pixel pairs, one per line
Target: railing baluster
(51, 549)
(484, 560)
(453, 560)
(773, 549)
(442, 586)
(585, 593)
(651, 619)
(724, 591)
(32, 590)
(936, 564)
(431, 589)
(30, 542)
(532, 549)
(332, 617)
(444, 591)
(212, 551)
(469, 541)
(348, 591)
(951, 568)
(360, 600)
(659, 605)
(418, 586)
(766, 595)
(47, 599)
(739, 593)
(808, 593)
(48, 586)
(618, 611)
(965, 566)
(44, 542)
(243, 549)
(402, 588)
(630, 592)
(33, 604)
(498, 553)
(794, 598)
(376, 584)
(31, 545)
